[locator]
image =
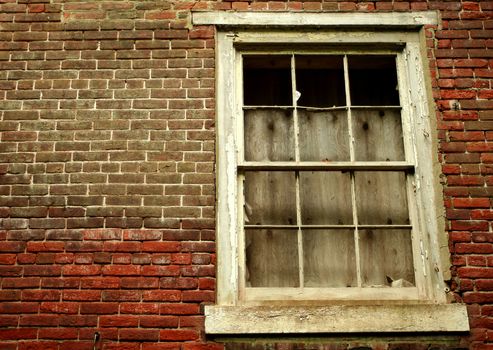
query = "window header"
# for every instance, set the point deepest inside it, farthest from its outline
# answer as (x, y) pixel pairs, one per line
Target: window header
(326, 19)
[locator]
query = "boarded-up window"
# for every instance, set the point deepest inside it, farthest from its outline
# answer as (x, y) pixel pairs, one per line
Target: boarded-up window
(325, 176)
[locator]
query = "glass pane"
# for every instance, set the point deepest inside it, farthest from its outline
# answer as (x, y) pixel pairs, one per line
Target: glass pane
(386, 258)
(271, 258)
(378, 135)
(270, 198)
(269, 135)
(323, 135)
(320, 81)
(381, 198)
(373, 80)
(329, 258)
(325, 198)
(267, 80)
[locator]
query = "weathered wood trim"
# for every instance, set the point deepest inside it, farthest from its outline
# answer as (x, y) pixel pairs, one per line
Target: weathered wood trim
(227, 269)
(296, 19)
(368, 295)
(344, 166)
(336, 319)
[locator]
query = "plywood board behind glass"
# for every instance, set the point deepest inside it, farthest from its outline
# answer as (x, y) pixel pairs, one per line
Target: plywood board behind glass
(324, 227)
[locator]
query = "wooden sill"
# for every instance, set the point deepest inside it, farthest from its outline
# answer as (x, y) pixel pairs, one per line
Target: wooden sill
(336, 319)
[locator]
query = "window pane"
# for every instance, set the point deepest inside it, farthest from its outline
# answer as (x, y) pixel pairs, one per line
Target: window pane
(271, 258)
(373, 80)
(378, 135)
(267, 80)
(381, 198)
(325, 198)
(329, 258)
(270, 198)
(386, 255)
(269, 135)
(323, 135)
(320, 81)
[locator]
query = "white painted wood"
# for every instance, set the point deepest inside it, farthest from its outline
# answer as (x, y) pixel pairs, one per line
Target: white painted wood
(336, 319)
(428, 197)
(297, 19)
(227, 270)
(238, 120)
(294, 97)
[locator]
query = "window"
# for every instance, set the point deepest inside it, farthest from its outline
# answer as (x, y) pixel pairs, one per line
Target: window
(326, 180)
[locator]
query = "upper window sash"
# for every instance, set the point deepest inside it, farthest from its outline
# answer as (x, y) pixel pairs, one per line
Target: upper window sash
(350, 164)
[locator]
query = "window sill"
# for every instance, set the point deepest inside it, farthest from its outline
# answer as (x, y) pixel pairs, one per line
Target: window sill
(336, 319)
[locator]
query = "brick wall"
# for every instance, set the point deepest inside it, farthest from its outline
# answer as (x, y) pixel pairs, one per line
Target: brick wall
(107, 170)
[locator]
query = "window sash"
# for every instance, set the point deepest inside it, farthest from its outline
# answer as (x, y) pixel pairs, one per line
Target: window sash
(406, 166)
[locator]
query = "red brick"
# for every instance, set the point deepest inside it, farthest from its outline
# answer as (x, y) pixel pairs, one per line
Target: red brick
(121, 295)
(159, 321)
(18, 334)
(99, 308)
(40, 295)
(139, 334)
(59, 308)
(478, 297)
(462, 225)
(82, 295)
(121, 270)
(100, 283)
(471, 202)
(157, 247)
(178, 335)
(84, 270)
(474, 248)
(118, 321)
(179, 309)
(39, 320)
(24, 282)
(161, 295)
(58, 333)
(78, 321)
(475, 272)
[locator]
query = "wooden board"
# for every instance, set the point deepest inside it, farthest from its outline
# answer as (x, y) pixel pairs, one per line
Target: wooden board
(269, 135)
(270, 198)
(378, 135)
(271, 258)
(381, 198)
(324, 198)
(329, 258)
(386, 253)
(323, 136)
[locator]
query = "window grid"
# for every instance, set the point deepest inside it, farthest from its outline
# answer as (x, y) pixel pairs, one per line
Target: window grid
(298, 165)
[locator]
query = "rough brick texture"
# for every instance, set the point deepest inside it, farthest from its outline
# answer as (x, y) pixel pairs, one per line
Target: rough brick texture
(107, 170)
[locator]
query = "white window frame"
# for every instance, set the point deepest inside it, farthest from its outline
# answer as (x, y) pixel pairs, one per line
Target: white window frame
(424, 308)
